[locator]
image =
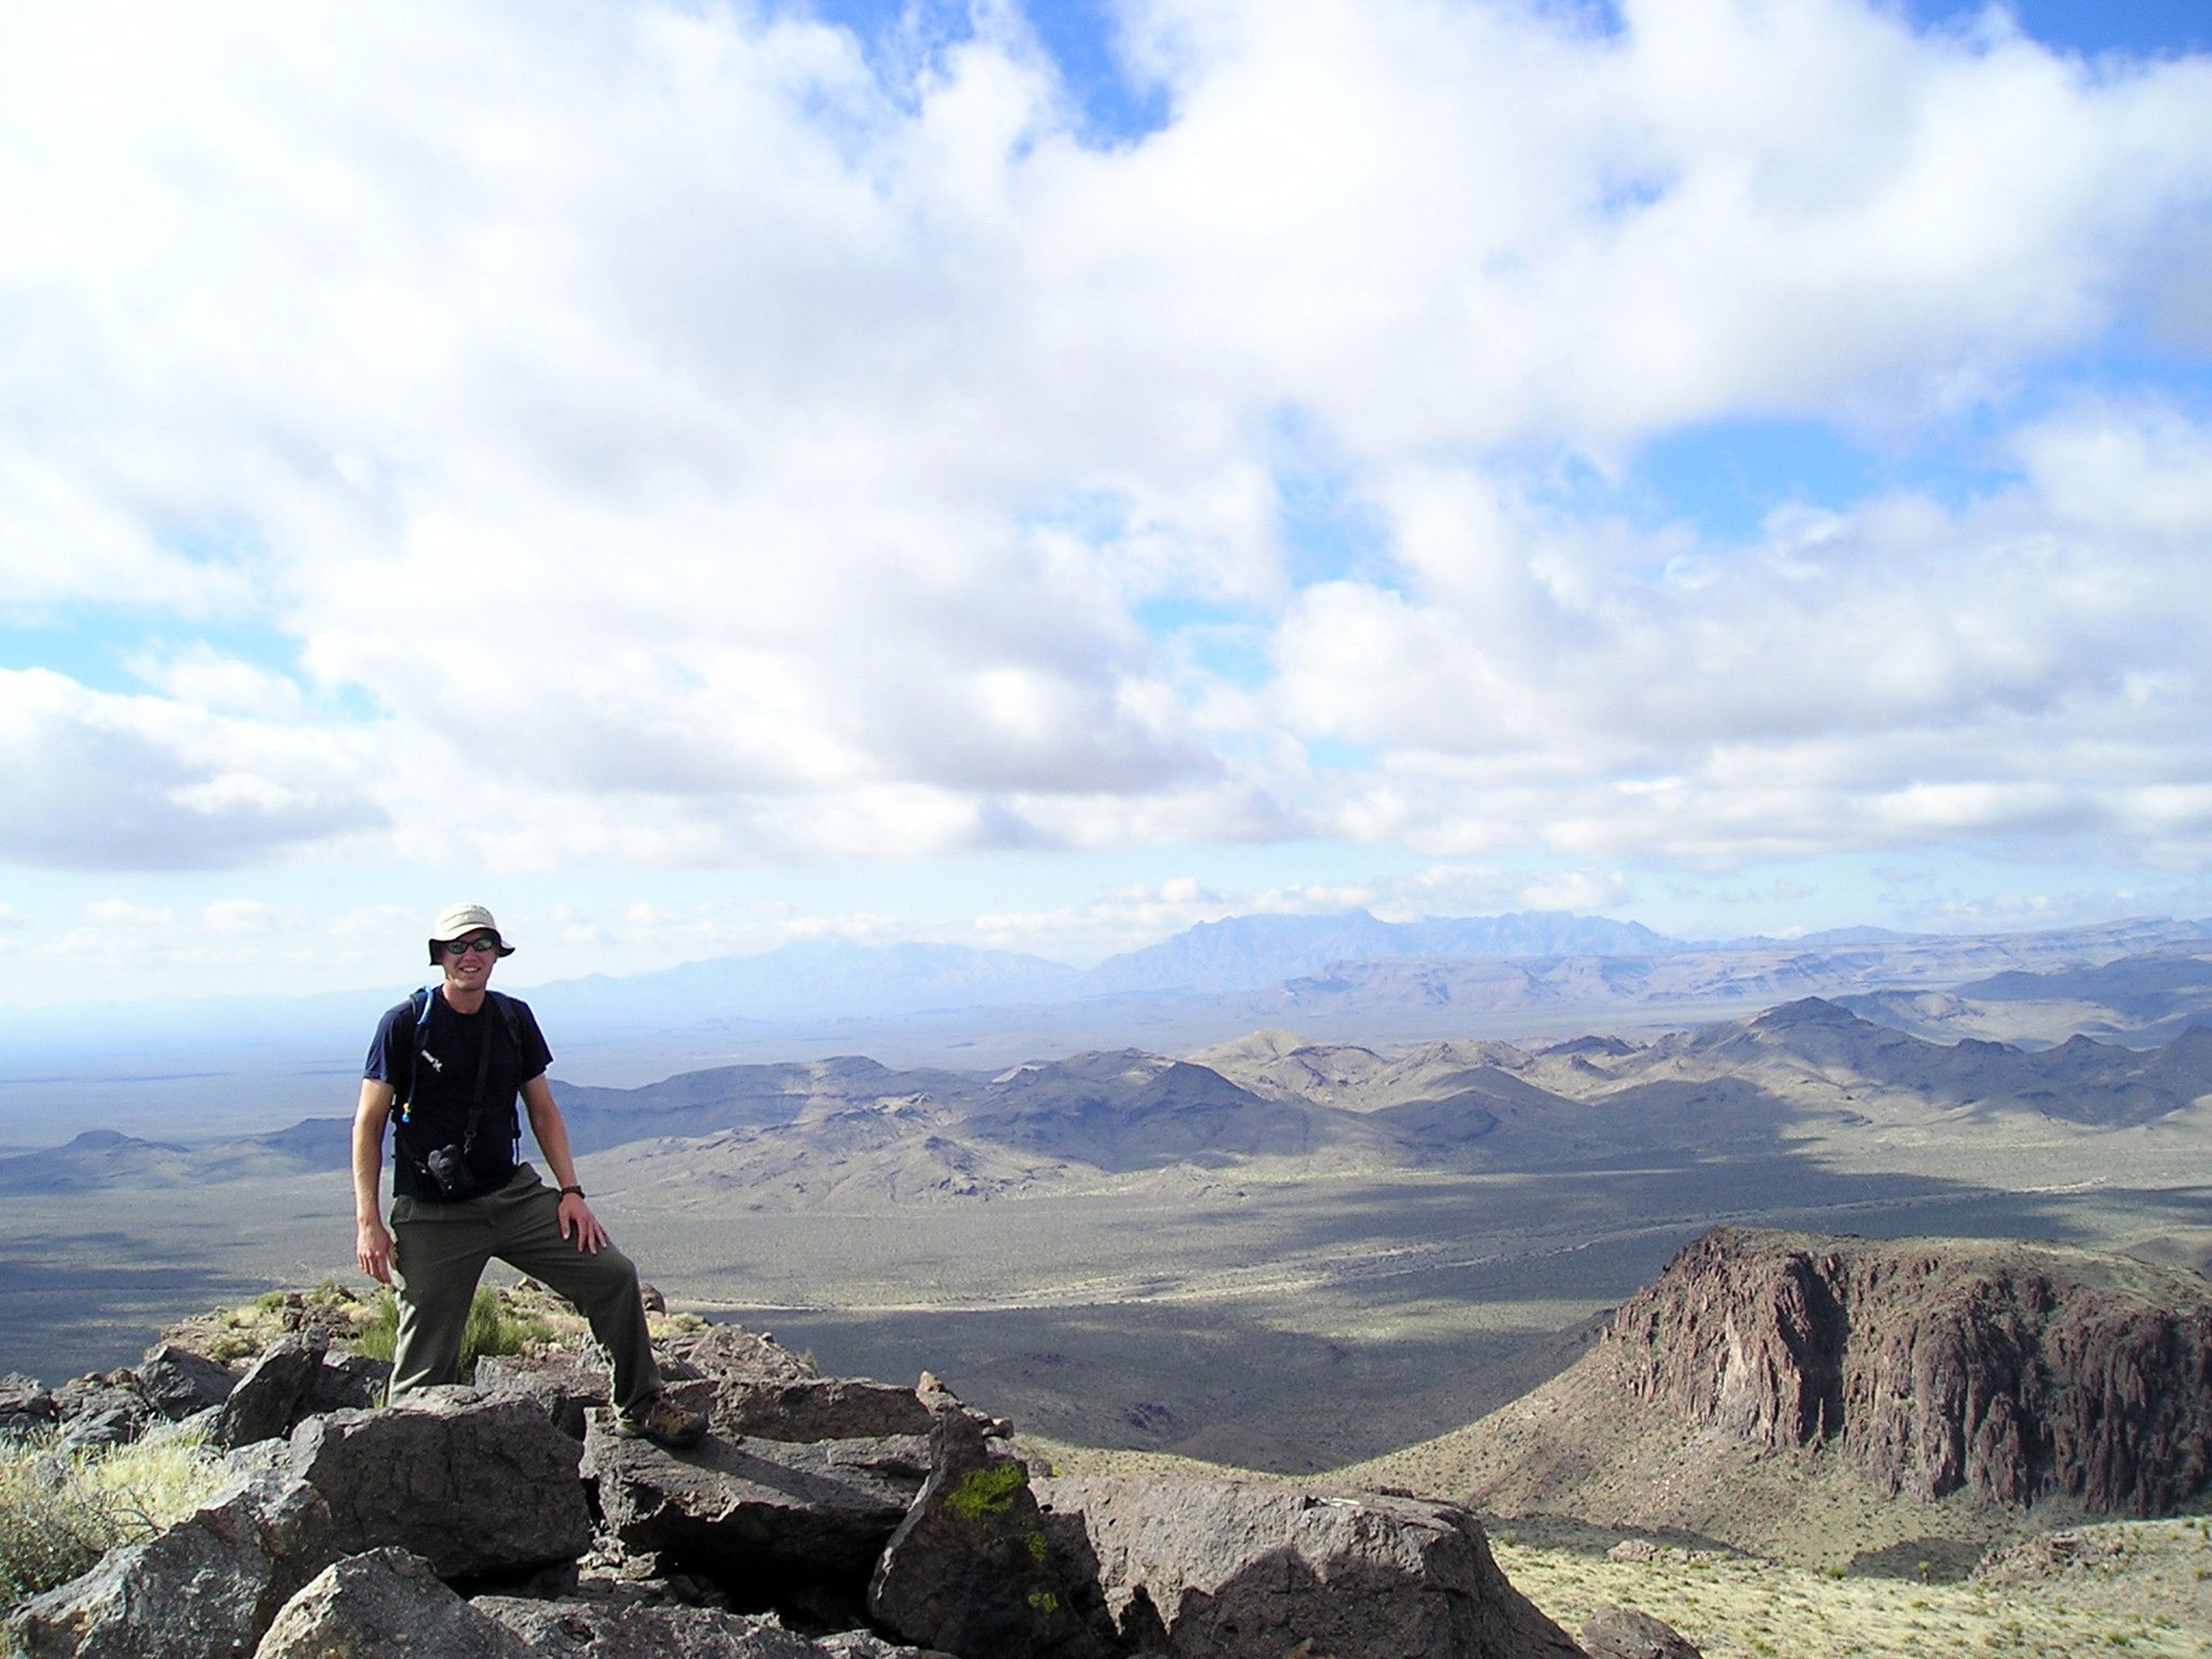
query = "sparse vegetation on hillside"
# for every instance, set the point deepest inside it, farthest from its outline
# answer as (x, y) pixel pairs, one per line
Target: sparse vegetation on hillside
(1742, 1608)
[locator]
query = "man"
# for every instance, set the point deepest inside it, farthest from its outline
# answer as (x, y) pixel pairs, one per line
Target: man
(454, 1058)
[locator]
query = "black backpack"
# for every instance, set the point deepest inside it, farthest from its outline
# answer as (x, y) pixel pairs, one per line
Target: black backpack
(510, 1012)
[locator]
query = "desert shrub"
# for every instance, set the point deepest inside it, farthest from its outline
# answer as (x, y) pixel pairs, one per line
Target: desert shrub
(378, 1330)
(230, 1346)
(50, 1530)
(59, 1514)
(493, 1328)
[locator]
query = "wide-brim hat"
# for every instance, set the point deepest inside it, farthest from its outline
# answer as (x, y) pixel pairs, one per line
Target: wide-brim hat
(459, 922)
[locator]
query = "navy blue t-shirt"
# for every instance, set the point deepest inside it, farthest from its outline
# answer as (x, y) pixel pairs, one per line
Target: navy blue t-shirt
(436, 1111)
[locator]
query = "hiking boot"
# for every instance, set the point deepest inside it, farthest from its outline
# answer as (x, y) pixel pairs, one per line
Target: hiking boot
(663, 1422)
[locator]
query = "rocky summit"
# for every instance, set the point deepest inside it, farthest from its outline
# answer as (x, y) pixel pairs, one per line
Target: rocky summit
(821, 1516)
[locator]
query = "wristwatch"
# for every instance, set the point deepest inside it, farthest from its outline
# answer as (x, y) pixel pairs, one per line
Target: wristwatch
(565, 1191)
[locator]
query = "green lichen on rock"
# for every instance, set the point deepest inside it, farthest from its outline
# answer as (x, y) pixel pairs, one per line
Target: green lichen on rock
(986, 1491)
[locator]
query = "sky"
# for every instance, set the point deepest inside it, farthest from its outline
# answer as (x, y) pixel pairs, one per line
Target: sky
(697, 476)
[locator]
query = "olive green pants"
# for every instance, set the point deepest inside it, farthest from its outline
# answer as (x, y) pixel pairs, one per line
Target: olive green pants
(438, 1255)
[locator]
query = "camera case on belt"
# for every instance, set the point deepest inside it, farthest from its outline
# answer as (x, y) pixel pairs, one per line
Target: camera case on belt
(449, 1168)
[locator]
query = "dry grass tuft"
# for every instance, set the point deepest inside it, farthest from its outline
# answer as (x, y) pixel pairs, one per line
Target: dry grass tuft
(59, 1513)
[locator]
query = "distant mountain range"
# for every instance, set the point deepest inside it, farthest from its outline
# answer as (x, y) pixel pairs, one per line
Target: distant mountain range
(1345, 977)
(802, 1134)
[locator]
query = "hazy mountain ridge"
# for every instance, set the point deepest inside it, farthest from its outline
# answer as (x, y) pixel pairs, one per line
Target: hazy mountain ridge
(1804, 1071)
(2147, 996)
(1346, 978)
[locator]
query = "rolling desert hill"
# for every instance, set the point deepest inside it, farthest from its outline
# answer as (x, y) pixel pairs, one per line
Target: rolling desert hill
(1807, 1074)
(2142, 999)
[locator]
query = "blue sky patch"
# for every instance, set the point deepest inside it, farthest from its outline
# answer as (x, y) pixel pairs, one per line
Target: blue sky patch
(1079, 35)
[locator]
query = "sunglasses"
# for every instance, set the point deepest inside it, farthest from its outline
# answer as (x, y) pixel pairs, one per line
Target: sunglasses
(461, 947)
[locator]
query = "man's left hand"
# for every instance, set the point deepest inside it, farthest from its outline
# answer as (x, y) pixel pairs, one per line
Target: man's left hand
(590, 1237)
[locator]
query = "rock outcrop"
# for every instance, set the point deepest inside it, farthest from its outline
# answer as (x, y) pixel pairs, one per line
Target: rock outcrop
(385, 1602)
(470, 1523)
(474, 1484)
(1223, 1569)
(970, 1569)
(269, 1397)
(1614, 1632)
(757, 1510)
(2008, 1371)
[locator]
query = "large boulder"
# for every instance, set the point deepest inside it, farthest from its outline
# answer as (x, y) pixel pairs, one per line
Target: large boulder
(207, 1587)
(178, 1383)
(344, 1383)
(617, 1630)
(1617, 1632)
(732, 1353)
(267, 1400)
(757, 1515)
(566, 1386)
(807, 1409)
(473, 1483)
(969, 1570)
(99, 1410)
(382, 1604)
(27, 1410)
(1227, 1570)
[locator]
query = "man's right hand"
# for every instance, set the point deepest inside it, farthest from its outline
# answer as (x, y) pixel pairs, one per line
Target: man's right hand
(372, 1248)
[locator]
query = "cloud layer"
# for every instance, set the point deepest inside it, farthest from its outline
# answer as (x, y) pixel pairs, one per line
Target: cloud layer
(687, 441)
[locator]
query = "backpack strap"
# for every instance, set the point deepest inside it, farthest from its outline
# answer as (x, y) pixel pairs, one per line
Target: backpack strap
(411, 1033)
(416, 1029)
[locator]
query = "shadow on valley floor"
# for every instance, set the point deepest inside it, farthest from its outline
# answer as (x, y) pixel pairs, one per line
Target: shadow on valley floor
(1288, 1326)
(63, 1313)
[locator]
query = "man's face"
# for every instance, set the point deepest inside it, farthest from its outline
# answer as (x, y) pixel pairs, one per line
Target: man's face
(468, 959)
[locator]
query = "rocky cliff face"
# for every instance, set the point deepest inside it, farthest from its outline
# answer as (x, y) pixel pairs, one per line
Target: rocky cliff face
(2007, 1370)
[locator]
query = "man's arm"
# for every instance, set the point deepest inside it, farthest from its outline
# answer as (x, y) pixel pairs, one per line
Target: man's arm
(552, 1131)
(372, 1245)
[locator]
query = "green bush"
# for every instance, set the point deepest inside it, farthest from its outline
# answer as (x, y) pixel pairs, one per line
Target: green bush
(48, 1534)
(58, 1516)
(377, 1334)
(491, 1328)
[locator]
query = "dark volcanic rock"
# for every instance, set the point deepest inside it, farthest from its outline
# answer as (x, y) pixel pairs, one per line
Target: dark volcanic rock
(179, 1383)
(749, 1384)
(1225, 1569)
(971, 1569)
(25, 1407)
(565, 1386)
(344, 1383)
(474, 1483)
(208, 1586)
(100, 1411)
(733, 1352)
(267, 1398)
(2009, 1370)
(809, 1408)
(612, 1630)
(1614, 1632)
(386, 1602)
(756, 1512)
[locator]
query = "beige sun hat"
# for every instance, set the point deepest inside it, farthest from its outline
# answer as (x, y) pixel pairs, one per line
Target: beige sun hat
(459, 922)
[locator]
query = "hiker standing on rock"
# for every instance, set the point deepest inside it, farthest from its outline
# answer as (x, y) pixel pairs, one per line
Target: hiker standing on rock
(453, 1058)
